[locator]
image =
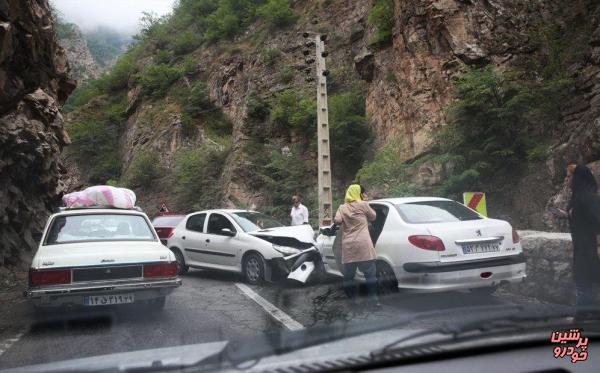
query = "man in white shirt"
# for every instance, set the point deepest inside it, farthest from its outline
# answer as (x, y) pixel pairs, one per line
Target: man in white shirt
(299, 212)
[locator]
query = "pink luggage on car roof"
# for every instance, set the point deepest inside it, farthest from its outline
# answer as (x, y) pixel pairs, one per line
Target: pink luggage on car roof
(101, 196)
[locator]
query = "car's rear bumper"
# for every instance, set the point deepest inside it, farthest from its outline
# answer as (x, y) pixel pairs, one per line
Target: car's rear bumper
(57, 296)
(462, 275)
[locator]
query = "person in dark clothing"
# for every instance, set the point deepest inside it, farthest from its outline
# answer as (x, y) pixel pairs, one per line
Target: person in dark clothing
(584, 224)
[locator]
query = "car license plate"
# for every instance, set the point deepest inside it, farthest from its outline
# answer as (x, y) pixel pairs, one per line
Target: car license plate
(481, 248)
(106, 300)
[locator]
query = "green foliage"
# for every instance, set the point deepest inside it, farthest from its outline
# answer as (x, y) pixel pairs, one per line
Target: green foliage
(277, 13)
(144, 170)
(185, 42)
(198, 172)
(229, 19)
(286, 75)
(285, 175)
(290, 111)
(105, 45)
(270, 56)
(155, 80)
(382, 17)
(349, 132)
(257, 108)
(118, 76)
(198, 101)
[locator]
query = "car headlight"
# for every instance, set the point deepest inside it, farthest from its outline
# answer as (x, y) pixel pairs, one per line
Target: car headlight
(286, 250)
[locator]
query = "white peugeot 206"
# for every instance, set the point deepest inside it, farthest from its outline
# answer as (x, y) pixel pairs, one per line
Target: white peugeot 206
(90, 257)
(429, 243)
(247, 242)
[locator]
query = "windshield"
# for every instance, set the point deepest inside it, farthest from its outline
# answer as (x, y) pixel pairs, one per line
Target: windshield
(254, 221)
(338, 165)
(435, 212)
(167, 221)
(98, 227)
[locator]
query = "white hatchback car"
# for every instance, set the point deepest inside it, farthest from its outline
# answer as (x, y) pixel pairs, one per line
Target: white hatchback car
(435, 244)
(246, 242)
(94, 257)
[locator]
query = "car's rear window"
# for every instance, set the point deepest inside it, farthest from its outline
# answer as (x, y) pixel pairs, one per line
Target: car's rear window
(435, 212)
(167, 221)
(98, 227)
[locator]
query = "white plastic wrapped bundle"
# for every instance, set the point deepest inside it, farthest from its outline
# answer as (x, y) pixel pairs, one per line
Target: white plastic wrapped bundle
(101, 196)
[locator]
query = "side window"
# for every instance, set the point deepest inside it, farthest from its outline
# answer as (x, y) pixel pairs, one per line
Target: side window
(376, 226)
(216, 222)
(196, 223)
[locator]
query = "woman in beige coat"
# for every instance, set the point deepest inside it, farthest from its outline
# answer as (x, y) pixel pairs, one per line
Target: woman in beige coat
(357, 247)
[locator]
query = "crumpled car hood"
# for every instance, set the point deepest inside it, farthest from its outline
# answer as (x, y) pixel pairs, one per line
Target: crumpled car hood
(298, 236)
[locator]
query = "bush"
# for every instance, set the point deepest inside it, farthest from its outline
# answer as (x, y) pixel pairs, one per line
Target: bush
(198, 101)
(185, 42)
(229, 19)
(286, 75)
(293, 112)
(257, 108)
(144, 170)
(277, 13)
(349, 132)
(270, 56)
(382, 17)
(156, 79)
(118, 76)
(198, 174)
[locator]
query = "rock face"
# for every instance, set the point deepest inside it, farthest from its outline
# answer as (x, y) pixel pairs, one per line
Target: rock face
(549, 267)
(33, 84)
(83, 66)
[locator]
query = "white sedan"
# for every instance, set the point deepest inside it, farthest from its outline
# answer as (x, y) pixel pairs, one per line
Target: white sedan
(240, 241)
(435, 244)
(90, 257)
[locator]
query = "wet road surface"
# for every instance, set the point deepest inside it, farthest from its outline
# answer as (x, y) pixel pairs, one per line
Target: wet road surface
(212, 306)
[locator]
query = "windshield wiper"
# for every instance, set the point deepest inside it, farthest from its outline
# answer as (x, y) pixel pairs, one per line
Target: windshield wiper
(513, 321)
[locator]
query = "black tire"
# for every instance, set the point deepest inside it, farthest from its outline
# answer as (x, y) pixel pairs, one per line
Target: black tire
(485, 291)
(182, 268)
(254, 268)
(157, 304)
(386, 279)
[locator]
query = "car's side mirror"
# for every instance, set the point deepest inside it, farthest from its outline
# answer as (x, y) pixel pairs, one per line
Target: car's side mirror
(227, 232)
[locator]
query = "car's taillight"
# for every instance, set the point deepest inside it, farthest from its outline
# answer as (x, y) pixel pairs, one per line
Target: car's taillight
(171, 232)
(49, 277)
(432, 243)
(160, 270)
(516, 237)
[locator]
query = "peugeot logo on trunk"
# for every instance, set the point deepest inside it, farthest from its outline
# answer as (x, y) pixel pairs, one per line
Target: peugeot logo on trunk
(478, 232)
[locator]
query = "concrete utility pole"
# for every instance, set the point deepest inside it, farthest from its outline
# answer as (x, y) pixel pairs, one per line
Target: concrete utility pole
(324, 161)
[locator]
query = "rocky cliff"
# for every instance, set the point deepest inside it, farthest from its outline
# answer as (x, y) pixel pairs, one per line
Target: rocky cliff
(72, 40)
(407, 84)
(33, 84)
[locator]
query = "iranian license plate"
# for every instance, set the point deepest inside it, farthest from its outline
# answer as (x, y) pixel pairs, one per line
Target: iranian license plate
(107, 300)
(481, 248)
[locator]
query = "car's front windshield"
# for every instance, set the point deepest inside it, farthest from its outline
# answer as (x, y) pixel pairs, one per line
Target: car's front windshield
(98, 227)
(435, 212)
(251, 221)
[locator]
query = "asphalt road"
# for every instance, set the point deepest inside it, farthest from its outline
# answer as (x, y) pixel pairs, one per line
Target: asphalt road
(210, 306)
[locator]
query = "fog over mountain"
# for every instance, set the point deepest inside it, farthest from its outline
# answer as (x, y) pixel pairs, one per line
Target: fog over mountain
(122, 16)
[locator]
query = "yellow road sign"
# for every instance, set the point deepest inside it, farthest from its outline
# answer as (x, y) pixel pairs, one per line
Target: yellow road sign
(476, 201)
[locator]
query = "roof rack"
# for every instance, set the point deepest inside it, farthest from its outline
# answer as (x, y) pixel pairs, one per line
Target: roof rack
(64, 208)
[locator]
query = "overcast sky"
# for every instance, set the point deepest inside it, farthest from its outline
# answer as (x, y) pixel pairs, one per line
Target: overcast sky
(121, 15)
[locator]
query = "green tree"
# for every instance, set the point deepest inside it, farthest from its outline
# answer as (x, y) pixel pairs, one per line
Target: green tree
(277, 13)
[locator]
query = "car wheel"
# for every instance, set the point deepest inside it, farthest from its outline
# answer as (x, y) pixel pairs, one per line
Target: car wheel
(484, 291)
(181, 267)
(157, 305)
(254, 268)
(386, 279)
